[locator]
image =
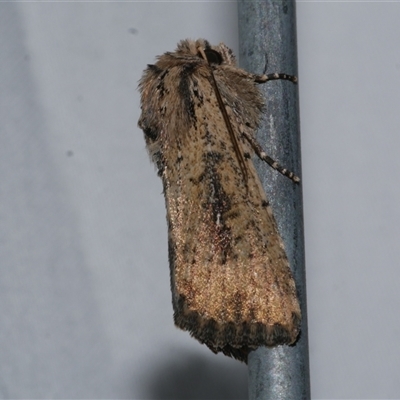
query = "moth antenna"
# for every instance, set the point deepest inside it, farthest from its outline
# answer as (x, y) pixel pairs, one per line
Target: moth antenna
(228, 124)
(270, 161)
(273, 77)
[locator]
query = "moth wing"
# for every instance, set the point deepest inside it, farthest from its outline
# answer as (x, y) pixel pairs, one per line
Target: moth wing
(231, 283)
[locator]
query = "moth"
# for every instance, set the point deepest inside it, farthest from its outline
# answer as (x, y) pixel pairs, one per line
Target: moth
(232, 287)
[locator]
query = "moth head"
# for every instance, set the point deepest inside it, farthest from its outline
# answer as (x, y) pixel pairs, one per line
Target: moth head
(215, 55)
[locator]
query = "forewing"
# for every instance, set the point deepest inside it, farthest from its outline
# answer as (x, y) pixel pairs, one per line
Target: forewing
(230, 278)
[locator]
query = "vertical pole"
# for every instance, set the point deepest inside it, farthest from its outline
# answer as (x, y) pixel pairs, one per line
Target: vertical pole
(267, 43)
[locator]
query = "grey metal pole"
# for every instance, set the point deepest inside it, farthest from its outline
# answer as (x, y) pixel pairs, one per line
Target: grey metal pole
(267, 43)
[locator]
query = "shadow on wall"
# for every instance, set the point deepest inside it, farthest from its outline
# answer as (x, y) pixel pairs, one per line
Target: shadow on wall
(196, 377)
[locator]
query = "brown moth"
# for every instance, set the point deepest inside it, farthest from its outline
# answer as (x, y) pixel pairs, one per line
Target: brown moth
(232, 287)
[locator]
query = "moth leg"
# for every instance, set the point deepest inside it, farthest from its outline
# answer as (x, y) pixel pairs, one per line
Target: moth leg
(270, 161)
(272, 77)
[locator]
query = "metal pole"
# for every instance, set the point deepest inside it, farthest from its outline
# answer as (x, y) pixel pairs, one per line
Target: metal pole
(267, 43)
